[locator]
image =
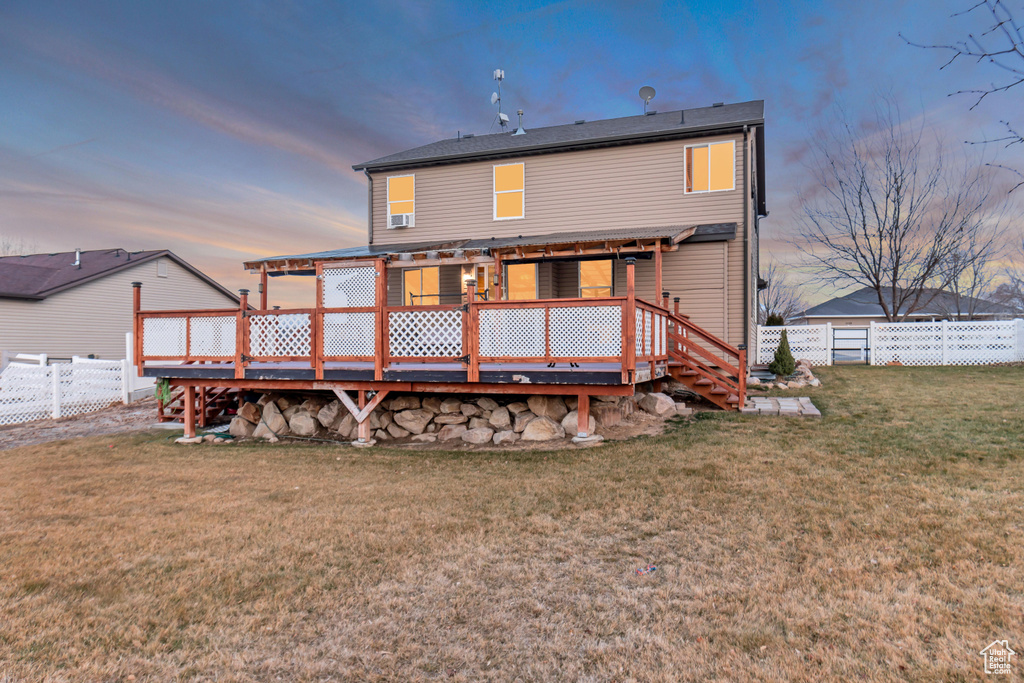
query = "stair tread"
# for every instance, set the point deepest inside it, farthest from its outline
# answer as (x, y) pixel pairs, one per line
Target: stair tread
(703, 382)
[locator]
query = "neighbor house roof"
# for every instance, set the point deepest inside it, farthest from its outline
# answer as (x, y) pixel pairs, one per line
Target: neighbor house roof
(37, 276)
(302, 263)
(864, 303)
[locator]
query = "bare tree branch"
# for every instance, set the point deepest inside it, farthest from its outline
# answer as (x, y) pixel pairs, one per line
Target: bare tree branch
(780, 296)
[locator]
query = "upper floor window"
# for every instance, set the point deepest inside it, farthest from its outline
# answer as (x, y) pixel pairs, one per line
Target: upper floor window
(509, 188)
(711, 167)
(401, 201)
(421, 286)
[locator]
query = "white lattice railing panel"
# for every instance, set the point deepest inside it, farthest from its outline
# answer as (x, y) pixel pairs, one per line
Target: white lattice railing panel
(350, 334)
(25, 393)
(647, 332)
(639, 332)
(512, 332)
(163, 337)
(212, 336)
(808, 342)
(350, 287)
(585, 331)
(285, 335)
(425, 334)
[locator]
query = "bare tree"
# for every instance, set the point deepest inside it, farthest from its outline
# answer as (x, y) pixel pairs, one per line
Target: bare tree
(1011, 292)
(1001, 46)
(893, 212)
(15, 246)
(780, 296)
(973, 274)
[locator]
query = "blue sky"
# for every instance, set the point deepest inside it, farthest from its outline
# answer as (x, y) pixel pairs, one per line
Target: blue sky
(227, 130)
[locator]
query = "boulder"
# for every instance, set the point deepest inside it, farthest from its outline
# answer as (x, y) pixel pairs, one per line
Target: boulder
(570, 426)
(552, 407)
(478, 422)
(450, 432)
(658, 404)
(313, 404)
(346, 425)
(487, 403)
(572, 402)
(286, 401)
(425, 438)
(375, 419)
(815, 382)
(386, 418)
(268, 398)
(504, 438)
(250, 412)
(500, 419)
(517, 407)
(543, 429)
(478, 435)
(302, 423)
(753, 382)
(451, 405)
(381, 435)
(606, 414)
(241, 427)
(404, 403)
(329, 413)
(523, 419)
(605, 399)
(414, 420)
(450, 418)
(289, 411)
(271, 424)
(432, 403)
(395, 430)
(470, 410)
(188, 440)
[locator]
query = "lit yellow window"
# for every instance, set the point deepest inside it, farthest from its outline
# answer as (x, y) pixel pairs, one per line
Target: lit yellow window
(595, 279)
(422, 286)
(710, 168)
(485, 287)
(401, 195)
(521, 281)
(509, 186)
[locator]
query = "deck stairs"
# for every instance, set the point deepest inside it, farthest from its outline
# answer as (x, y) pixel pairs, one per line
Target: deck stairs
(708, 366)
(216, 401)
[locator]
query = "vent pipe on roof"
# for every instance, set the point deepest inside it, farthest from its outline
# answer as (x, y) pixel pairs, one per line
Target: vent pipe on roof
(520, 131)
(78, 258)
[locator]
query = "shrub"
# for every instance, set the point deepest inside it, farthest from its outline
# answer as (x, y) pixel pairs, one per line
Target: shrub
(783, 364)
(775, 320)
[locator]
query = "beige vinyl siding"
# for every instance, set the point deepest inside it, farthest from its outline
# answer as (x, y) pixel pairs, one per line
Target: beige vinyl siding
(94, 317)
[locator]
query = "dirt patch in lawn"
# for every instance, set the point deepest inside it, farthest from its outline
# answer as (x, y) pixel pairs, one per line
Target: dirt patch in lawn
(117, 419)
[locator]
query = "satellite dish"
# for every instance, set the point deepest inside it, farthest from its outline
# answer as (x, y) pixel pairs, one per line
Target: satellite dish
(494, 97)
(646, 94)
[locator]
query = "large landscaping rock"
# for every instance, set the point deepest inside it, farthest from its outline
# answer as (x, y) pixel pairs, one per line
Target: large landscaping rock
(504, 438)
(250, 412)
(606, 414)
(404, 403)
(451, 405)
(523, 419)
(569, 423)
(517, 407)
(425, 438)
(396, 430)
(478, 422)
(450, 432)
(547, 406)
(658, 404)
(470, 410)
(450, 418)
(500, 418)
(487, 403)
(328, 415)
(303, 424)
(271, 424)
(313, 404)
(241, 427)
(432, 403)
(478, 435)
(414, 420)
(346, 425)
(543, 429)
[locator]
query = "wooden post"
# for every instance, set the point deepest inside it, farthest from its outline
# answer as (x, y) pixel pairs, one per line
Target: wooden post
(316, 324)
(136, 325)
(675, 302)
(380, 328)
(657, 270)
(189, 408)
(499, 289)
(742, 379)
(664, 300)
(202, 406)
(583, 416)
(470, 323)
(678, 328)
(363, 429)
(629, 323)
(243, 304)
(263, 288)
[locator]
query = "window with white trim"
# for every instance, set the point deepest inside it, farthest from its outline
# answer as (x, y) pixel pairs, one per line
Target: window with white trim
(401, 201)
(509, 191)
(710, 167)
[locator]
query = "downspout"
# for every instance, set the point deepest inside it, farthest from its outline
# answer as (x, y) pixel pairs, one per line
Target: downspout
(369, 206)
(746, 243)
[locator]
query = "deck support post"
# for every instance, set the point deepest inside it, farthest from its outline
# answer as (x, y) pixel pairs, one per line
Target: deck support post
(189, 408)
(363, 429)
(136, 326)
(243, 305)
(381, 327)
(499, 286)
(583, 416)
(362, 411)
(657, 270)
(629, 323)
(263, 288)
(472, 333)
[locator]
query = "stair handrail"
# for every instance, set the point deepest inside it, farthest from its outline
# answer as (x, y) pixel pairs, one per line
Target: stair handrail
(684, 353)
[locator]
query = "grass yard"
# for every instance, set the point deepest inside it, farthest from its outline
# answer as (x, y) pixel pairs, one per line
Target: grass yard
(882, 542)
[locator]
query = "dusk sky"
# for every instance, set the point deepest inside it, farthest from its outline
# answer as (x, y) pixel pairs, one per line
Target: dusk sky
(227, 130)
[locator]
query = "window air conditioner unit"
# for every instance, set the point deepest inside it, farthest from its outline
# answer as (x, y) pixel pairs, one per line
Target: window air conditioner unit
(400, 220)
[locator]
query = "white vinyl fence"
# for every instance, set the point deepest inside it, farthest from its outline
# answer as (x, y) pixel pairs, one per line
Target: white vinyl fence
(932, 343)
(33, 391)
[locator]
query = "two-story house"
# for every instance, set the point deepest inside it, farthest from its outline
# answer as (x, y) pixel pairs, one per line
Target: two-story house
(586, 258)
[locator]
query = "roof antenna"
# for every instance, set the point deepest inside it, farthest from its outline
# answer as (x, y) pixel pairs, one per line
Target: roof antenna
(520, 130)
(646, 94)
(78, 258)
(499, 75)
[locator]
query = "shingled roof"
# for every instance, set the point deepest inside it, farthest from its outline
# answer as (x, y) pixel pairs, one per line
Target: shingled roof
(864, 303)
(37, 276)
(628, 129)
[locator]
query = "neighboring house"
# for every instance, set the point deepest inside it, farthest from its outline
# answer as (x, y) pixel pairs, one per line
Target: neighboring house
(80, 303)
(861, 308)
(593, 255)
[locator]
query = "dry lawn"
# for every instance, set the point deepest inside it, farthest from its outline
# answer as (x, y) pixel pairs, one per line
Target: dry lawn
(881, 543)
